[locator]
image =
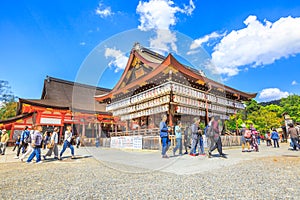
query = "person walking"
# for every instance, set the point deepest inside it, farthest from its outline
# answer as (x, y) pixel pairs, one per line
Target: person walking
(178, 136)
(246, 138)
(29, 148)
(67, 143)
(23, 142)
(292, 131)
(215, 138)
(53, 144)
(164, 135)
(275, 138)
(17, 143)
(36, 143)
(195, 135)
(187, 138)
(3, 141)
(201, 143)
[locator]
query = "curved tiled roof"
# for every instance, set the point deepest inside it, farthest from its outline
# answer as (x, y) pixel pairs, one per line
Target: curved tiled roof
(62, 94)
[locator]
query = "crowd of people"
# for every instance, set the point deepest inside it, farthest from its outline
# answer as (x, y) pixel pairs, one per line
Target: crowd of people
(193, 137)
(30, 142)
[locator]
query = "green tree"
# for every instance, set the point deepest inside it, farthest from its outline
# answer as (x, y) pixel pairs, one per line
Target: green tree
(264, 119)
(8, 104)
(291, 105)
(8, 110)
(252, 106)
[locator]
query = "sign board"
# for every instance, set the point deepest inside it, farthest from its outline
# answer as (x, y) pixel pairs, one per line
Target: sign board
(50, 121)
(127, 142)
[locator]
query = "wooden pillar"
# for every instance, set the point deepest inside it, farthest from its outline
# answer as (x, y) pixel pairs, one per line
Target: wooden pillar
(60, 134)
(100, 130)
(12, 131)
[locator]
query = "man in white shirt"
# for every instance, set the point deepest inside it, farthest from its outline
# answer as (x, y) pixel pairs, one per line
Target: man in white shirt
(67, 142)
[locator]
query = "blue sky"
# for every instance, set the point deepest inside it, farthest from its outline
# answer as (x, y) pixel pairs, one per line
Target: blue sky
(252, 46)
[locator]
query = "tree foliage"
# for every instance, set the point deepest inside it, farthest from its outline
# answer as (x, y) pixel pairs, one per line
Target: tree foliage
(8, 104)
(8, 110)
(266, 116)
(291, 105)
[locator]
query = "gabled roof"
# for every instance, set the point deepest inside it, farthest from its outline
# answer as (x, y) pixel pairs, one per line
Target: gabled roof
(158, 64)
(62, 94)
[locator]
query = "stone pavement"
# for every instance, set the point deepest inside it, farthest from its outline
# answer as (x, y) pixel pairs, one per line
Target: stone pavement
(150, 160)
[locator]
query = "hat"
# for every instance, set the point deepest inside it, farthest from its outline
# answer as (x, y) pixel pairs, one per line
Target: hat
(243, 126)
(3, 130)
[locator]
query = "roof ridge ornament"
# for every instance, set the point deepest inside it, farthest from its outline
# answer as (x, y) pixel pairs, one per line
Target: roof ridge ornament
(137, 46)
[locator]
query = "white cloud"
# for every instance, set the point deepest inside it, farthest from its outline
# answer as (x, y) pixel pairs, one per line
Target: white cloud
(259, 43)
(119, 59)
(103, 11)
(82, 43)
(159, 15)
(294, 83)
(163, 40)
(198, 42)
(270, 94)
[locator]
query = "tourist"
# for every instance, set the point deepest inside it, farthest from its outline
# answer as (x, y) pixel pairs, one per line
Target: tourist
(186, 138)
(268, 139)
(23, 142)
(292, 131)
(298, 130)
(178, 138)
(254, 133)
(67, 143)
(3, 141)
(29, 147)
(36, 143)
(17, 143)
(46, 138)
(215, 140)
(258, 137)
(275, 138)
(164, 135)
(195, 135)
(246, 139)
(200, 143)
(53, 142)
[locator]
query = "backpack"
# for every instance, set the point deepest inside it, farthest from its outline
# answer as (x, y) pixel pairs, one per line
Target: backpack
(247, 134)
(209, 131)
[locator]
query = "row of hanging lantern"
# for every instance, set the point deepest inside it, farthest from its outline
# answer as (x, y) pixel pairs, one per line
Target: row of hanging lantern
(152, 103)
(186, 91)
(188, 101)
(189, 111)
(193, 93)
(147, 112)
(141, 97)
(149, 94)
(200, 104)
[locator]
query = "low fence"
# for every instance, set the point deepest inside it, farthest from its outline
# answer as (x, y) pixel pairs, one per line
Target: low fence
(150, 140)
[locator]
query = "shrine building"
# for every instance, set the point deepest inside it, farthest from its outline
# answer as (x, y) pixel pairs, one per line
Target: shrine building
(63, 103)
(152, 85)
